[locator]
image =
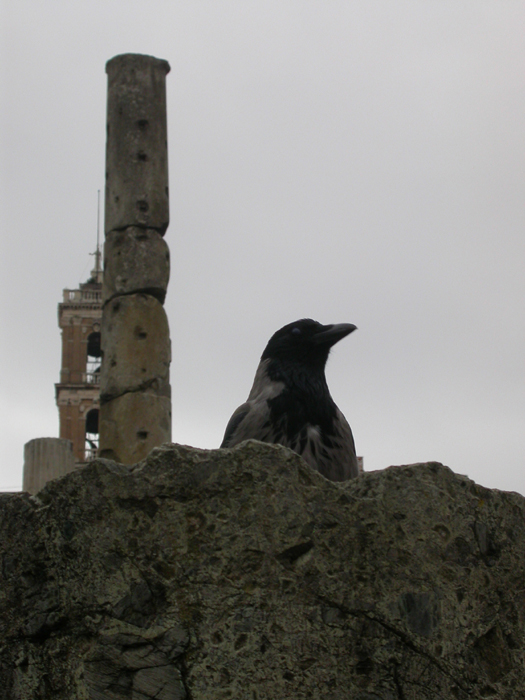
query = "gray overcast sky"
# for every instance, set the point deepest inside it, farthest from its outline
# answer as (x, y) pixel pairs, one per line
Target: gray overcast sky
(356, 162)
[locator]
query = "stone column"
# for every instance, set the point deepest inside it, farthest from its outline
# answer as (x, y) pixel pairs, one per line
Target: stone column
(46, 459)
(135, 396)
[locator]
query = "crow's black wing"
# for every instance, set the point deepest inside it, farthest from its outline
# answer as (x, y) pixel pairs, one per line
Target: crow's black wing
(237, 418)
(338, 461)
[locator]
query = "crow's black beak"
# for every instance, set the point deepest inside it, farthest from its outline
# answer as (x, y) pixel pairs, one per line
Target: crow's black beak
(331, 334)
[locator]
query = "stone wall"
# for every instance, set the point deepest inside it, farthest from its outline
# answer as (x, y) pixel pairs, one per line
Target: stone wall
(243, 574)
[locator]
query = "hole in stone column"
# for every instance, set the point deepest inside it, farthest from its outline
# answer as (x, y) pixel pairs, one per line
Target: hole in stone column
(142, 434)
(142, 124)
(140, 333)
(142, 205)
(142, 156)
(117, 198)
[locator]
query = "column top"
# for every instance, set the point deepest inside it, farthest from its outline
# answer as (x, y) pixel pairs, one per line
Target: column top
(136, 60)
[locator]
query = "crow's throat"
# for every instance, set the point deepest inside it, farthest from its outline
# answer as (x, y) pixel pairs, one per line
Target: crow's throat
(304, 401)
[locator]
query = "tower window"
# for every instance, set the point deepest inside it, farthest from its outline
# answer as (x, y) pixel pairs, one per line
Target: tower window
(91, 443)
(93, 345)
(94, 355)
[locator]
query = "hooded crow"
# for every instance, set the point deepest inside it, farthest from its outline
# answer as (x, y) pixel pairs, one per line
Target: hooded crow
(290, 403)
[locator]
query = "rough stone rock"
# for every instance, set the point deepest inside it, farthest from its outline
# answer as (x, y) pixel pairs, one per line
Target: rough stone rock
(136, 347)
(136, 146)
(135, 260)
(133, 424)
(243, 574)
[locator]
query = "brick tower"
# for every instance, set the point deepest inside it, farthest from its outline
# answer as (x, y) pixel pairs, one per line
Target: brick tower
(77, 393)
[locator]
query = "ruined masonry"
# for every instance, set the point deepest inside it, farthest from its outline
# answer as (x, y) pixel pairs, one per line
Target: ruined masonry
(135, 395)
(244, 574)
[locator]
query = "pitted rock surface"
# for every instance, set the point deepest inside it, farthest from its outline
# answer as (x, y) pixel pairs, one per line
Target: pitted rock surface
(136, 347)
(136, 148)
(244, 574)
(135, 260)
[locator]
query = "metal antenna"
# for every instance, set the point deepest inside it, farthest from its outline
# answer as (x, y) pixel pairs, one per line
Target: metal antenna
(97, 253)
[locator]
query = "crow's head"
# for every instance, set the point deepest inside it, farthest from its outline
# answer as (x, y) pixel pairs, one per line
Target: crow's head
(305, 341)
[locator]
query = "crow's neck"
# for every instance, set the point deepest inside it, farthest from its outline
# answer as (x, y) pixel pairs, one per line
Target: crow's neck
(305, 398)
(301, 378)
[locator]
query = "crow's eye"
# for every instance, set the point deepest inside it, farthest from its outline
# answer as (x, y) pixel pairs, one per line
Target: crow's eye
(296, 331)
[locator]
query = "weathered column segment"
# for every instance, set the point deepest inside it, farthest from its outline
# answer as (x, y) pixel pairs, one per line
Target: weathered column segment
(46, 459)
(136, 258)
(135, 404)
(136, 148)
